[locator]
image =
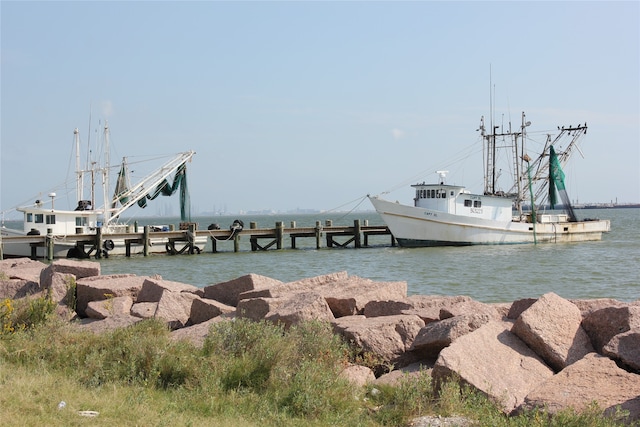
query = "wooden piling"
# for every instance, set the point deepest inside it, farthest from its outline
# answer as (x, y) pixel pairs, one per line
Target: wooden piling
(98, 242)
(318, 234)
(356, 232)
(145, 240)
(236, 243)
(49, 244)
(279, 234)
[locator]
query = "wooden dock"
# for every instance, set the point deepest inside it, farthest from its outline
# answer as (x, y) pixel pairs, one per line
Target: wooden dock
(182, 241)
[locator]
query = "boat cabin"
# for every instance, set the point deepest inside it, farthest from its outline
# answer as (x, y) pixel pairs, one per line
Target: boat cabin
(38, 220)
(457, 200)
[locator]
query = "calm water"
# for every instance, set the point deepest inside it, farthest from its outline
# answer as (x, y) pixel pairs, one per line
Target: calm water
(608, 268)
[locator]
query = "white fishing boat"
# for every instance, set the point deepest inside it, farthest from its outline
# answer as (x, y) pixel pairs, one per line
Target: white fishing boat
(451, 215)
(74, 230)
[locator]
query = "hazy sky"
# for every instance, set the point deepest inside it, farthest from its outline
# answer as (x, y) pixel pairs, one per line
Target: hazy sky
(316, 104)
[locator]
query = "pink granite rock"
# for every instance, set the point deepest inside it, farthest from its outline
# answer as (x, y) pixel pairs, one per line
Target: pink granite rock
(300, 307)
(153, 287)
(551, 327)
(79, 269)
(203, 309)
(625, 348)
(97, 288)
(593, 378)
(304, 285)
(495, 362)
(602, 325)
(388, 337)
(175, 308)
(435, 336)
(22, 268)
(358, 375)
(117, 306)
(144, 310)
(228, 292)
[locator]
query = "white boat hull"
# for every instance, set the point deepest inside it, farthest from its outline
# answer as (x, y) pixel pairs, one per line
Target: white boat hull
(112, 246)
(418, 227)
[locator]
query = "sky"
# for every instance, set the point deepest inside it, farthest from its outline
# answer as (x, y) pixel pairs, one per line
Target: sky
(313, 105)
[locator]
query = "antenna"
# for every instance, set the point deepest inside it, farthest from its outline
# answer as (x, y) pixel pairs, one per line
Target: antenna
(443, 175)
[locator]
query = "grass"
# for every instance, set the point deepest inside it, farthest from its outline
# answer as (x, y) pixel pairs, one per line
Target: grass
(246, 374)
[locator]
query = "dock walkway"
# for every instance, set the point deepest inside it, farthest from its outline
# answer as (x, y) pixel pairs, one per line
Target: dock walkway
(182, 241)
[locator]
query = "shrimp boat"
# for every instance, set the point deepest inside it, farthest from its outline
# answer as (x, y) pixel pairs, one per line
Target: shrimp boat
(74, 231)
(451, 215)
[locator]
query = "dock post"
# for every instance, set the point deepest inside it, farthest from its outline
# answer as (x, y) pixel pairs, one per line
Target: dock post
(236, 243)
(49, 245)
(98, 242)
(127, 248)
(191, 236)
(214, 245)
(279, 234)
(318, 234)
(145, 240)
(253, 225)
(356, 233)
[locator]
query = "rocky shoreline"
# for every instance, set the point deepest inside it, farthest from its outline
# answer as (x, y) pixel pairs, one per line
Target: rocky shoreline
(546, 352)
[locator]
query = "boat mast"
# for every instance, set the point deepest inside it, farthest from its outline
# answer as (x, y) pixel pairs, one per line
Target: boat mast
(105, 174)
(79, 171)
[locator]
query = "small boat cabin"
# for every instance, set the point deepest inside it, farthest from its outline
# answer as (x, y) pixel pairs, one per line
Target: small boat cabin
(457, 200)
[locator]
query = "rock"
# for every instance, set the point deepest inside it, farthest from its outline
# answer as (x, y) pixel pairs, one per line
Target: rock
(517, 307)
(427, 307)
(144, 310)
(588, 306)
(117, 306)
(435, 336)
(388, 337)
(299, 308)
(22, 268)
(438, 421)
(350, 296)
(551, 327)
(358, 375)
(175, 308)
(79, 269)
(152, 289)
(108, 324)
(203, 310)
(228, 292)
(502, 308)
(625, 348)
(257, 308)
(196, 334)
(469, 307)
(602, 325)
(304, 285)
(17, 288)
(99, 288)
(345, 295)
(495, 362)
(386, 308)
(395, 377)
(593, 378)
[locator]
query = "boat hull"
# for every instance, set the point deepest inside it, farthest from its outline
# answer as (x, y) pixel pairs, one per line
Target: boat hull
(417, 227)
(67, 248)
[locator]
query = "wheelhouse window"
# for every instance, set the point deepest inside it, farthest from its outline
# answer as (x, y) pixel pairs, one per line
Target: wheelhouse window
(477, 203)
(39, 218)
(81, 221)
(29, 217)
(51, 219)
(467, 203)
